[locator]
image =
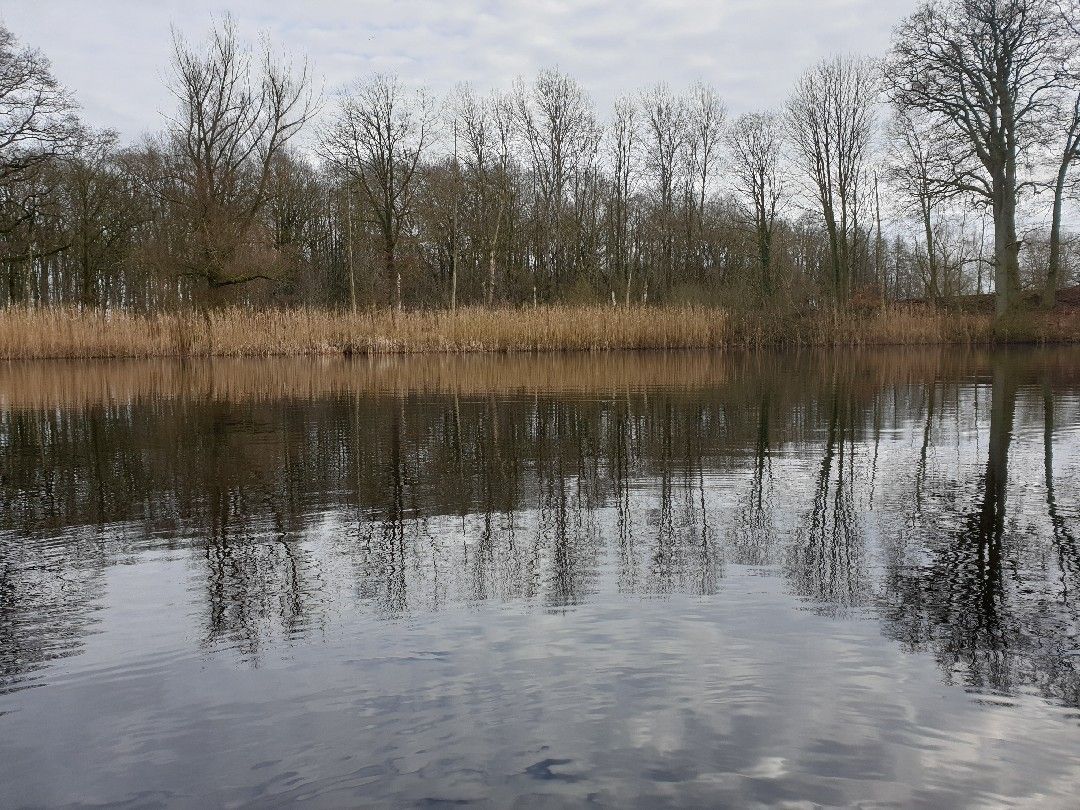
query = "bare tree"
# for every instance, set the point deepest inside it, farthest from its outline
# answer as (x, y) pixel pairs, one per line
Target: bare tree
(1069, 152)
(624, 135)
(830, 119)
(236, 113)
(37, 115)
(1069, 144)
(377, 139)
(561, 135)
(705, 119)
(35, 227)
(754, 144)
(104, 210)
(664, 142)
(37, 126)
(477, 121)
(504, 121)
(914, 168)
(985, 72)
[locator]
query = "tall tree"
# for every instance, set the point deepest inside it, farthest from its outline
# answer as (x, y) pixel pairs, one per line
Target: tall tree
(664, 142)
(985, 71)
(624, 135)
(37, 114)
(706, 116)
(915, 167)
(560, 134)
(378, 137)
(236, 113)
(106, 205)
(1068, 143)
(472, 122)
(504, 122)
(754, 143)
(830, 118)
(37, 126)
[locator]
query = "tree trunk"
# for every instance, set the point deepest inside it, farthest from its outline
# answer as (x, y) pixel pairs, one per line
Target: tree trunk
(89, 289)
(931, 257)
(491, 256)
(454, 254)
(879, 244)
(1053, 267)
(765, 257)
(453, 282)
(834, 251)
(349, 250)
(1006, 248)
(394, 272)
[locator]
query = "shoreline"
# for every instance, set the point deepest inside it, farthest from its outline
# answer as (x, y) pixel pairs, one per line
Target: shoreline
(70, 334)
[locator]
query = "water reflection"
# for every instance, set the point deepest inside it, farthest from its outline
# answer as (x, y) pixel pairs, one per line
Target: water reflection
(932, 491)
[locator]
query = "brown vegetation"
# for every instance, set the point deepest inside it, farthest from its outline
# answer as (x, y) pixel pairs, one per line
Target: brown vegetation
(27, 333)
(94, 383)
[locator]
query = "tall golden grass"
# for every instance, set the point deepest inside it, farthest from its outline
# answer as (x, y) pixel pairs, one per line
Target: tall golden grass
(27, 333)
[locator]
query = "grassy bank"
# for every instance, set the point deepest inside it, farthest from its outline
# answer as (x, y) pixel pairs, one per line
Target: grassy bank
(68, 333)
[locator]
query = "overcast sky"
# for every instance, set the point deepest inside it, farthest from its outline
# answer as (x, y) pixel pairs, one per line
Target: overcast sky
(114, 53)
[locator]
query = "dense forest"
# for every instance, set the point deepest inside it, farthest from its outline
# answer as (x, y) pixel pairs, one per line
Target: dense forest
(938, 170)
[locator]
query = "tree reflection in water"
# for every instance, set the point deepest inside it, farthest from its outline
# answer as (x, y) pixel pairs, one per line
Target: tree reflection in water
(903, 485)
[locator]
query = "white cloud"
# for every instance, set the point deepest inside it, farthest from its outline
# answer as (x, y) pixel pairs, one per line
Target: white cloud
(114, 53)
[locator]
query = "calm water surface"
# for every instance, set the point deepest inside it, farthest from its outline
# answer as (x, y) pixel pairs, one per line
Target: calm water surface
(634, 580)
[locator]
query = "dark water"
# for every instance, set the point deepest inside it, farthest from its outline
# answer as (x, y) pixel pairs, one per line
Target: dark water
(642, 580)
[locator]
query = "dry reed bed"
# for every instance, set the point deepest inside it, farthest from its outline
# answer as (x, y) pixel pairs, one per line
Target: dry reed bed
(236, 332)
(239, 332)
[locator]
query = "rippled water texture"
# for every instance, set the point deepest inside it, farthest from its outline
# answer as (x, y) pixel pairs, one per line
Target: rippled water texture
(629, 580)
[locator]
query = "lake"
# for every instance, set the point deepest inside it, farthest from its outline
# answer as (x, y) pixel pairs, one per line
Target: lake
(619, 580)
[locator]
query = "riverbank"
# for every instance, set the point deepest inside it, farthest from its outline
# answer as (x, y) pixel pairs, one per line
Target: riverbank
(238, 332)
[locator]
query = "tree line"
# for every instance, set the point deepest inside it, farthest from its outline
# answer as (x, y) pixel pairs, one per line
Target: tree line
(928, 173)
